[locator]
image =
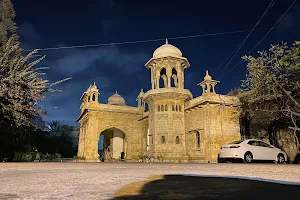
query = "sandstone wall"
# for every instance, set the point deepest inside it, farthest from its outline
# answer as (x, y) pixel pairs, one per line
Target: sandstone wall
(98, 121)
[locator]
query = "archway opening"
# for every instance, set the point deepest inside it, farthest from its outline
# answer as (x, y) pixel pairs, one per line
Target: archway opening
(146, 107)
(112, 145)
(163, 80)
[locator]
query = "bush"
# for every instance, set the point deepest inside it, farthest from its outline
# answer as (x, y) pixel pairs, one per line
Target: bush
(51, 157)
(24, 157)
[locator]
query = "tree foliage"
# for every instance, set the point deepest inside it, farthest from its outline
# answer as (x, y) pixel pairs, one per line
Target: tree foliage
(271, 91)
(7, 25)
(25, 139)
(22, 86)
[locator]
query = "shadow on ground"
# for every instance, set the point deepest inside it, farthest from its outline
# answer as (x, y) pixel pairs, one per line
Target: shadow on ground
(204, 188)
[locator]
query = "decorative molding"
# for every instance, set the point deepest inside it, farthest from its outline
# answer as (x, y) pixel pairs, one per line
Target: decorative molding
(172, 92)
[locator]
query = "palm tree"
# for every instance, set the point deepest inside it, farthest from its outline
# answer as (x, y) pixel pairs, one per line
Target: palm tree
(56, 127)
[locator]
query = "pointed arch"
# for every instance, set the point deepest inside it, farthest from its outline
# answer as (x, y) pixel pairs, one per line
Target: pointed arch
(94, 97)
(163, 79)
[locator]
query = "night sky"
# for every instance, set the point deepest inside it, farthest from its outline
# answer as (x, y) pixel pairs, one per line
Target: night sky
(56, 23)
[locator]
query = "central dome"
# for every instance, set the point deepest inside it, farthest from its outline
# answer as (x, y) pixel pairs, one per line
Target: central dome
(116, 99)
(167, 50)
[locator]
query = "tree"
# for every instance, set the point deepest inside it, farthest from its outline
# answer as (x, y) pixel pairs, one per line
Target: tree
(59, 139)
(22, 87)
(271, 91)
(56, 127)
(7, 25)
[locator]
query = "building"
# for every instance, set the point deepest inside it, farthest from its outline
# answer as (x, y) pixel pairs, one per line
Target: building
(75, 134)
(176, 126)
(38, 122)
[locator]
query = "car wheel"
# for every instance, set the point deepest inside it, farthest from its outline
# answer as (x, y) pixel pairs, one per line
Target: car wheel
(280, 158)
(248, 157)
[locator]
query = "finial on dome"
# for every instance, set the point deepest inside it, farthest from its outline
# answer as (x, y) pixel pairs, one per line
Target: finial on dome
(166, 40)
(94, 83)
(142, 90)
(207, 77)
(116, 91)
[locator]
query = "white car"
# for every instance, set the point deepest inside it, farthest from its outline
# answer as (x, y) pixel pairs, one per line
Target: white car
(252, 149)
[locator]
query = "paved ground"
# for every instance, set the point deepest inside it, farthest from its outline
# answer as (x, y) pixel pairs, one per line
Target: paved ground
(101, 180)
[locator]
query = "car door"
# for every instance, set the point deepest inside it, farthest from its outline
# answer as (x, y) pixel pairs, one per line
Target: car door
(255, 149)
(267, 151)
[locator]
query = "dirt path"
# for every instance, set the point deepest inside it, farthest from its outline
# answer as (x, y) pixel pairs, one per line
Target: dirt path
(102, 180)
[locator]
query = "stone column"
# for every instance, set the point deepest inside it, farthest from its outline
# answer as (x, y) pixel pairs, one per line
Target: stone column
(92, 138)
(169, 76)
(213, 87)
(152, 79)
(203, 89)
(157, 81)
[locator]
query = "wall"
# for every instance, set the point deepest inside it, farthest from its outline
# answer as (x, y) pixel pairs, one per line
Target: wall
(217, 124)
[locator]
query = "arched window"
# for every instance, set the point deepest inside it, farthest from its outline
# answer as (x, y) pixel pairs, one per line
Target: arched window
(163, 80)
(94, 97)
(166, 107)
(176, 108)
(173, 108)
(198, 139)
(162, 108)
(158, 108)
(89, 98)
(163, 139)
(177, 140)
(179, 108)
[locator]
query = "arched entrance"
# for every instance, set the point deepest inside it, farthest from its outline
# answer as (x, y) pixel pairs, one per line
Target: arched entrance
(112, 144)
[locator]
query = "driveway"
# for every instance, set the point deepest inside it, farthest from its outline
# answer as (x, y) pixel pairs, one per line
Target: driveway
(101, 180)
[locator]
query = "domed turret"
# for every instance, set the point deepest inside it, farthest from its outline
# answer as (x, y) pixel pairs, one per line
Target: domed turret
(116, 99)
(167, 64)
(208, 85)
(167, 50)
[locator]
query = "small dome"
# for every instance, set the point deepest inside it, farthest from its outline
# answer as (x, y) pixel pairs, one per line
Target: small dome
(141, 93)
(116, 99)
(207, 77)
(167, 50)
(93, 88)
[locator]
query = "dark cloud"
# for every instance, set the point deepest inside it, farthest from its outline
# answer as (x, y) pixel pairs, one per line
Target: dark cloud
(111, 68)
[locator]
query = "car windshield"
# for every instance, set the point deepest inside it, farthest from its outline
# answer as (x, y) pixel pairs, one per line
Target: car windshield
(236, 142)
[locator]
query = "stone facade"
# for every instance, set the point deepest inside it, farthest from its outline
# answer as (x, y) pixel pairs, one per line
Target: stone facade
(176, 126)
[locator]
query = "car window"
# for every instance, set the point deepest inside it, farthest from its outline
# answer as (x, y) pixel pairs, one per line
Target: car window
(253, 143)
(263, 144)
